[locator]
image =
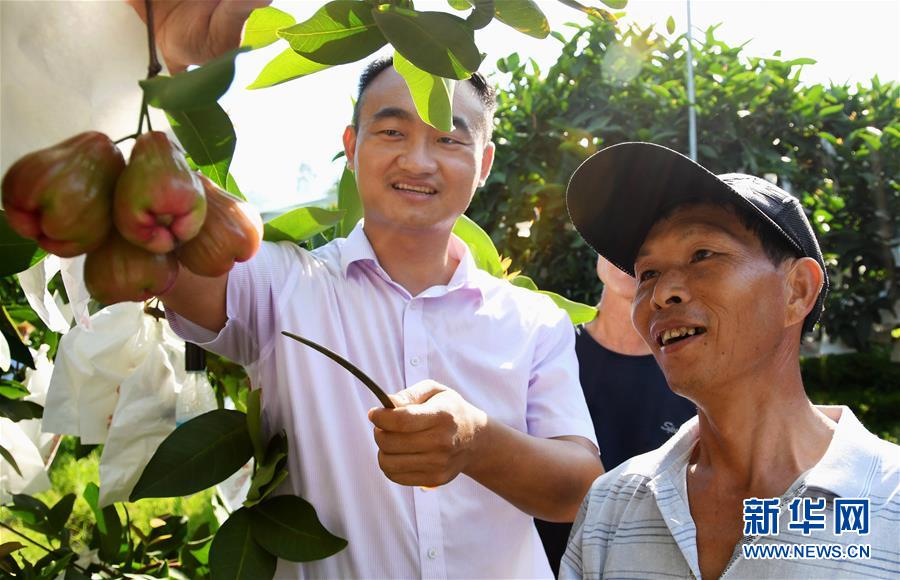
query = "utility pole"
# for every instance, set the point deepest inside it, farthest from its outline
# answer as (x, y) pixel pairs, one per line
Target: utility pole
(692, 113)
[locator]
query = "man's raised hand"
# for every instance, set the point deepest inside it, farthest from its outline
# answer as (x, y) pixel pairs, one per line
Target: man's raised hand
(195, 31)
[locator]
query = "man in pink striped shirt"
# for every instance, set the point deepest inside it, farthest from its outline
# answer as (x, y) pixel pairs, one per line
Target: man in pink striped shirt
(490, 429)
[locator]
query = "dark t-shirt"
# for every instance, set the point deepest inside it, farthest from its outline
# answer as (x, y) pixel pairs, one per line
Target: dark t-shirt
(633, 411)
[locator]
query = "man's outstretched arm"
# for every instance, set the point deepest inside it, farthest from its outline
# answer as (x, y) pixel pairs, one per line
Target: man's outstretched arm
(434, 435)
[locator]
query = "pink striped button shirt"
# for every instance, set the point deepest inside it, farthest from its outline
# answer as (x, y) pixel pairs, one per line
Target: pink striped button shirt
(506, 350)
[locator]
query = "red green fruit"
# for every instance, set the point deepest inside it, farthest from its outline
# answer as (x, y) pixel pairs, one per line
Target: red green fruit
(119, 271)
(62, 196)
(159, 201)
(232, 233)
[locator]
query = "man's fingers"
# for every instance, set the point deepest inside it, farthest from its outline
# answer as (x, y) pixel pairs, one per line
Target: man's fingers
(424, 469)
(428, 441)
(404, 419)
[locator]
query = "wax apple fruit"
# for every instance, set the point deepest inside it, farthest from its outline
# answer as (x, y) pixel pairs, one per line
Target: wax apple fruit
(232, 233)
(119, 271)
(62, 196)
(159, 201)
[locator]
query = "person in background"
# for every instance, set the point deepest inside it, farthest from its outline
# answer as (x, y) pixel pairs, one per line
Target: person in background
(631, 406)
(763, 483)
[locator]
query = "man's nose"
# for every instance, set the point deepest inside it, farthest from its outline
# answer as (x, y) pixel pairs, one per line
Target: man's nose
(418, 157)
(670, 289)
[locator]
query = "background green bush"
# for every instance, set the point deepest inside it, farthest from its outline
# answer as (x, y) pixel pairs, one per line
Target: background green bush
(837, 148)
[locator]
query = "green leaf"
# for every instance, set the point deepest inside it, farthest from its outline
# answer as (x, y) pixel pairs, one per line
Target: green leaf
(235, 555)
(274, 464)
(578, 313)
(20, 410)
(432, 95)
(480, 244)
(670, 25)
(288, 527)
(16, 253)
(616, 4)
(300, 224)
(194, 89)
(198, 454)
(436, 42)
(830, 110)
(459, 4)
(287, 66)
(12, 389)
(660, 91)
(339, 32)
(524, 282)
(349, 202)
(523, 15)
(800, 61)
(7, 456)
(482, 14)
(91, 495)
(31, 511)
(590, 10)
(60, 512)
(263, 25)
(254, 424)
(231, 187)
(110, 541)
(208, 137)
(18, 351)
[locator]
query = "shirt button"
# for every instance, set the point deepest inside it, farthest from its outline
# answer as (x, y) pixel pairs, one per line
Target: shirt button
(432, 553)
(414, 361)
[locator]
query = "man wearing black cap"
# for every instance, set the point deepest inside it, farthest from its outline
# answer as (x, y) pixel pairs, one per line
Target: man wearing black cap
(762, 483)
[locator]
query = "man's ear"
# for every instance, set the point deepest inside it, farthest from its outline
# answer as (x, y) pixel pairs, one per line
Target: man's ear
(349, 139)
(487, 161)
(804, 281)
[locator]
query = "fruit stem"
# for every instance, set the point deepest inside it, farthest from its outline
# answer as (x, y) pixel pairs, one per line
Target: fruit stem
(127, 137)
(154, 68)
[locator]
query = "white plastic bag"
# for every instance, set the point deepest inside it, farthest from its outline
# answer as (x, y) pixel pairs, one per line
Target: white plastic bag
(34, 284)
(144, 416)
(90, 364)
(34, 477)
(24, 440)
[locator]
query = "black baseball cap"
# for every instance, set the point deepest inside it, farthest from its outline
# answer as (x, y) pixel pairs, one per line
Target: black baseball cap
(617, 194)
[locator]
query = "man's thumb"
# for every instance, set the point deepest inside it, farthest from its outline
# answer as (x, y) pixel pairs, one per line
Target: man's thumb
(417, 394)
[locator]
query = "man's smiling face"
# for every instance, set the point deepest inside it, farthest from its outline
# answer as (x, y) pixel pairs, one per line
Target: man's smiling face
(710, 303)
(410, 175)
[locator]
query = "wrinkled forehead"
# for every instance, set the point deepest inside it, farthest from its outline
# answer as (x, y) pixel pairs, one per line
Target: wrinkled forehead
(702, 220)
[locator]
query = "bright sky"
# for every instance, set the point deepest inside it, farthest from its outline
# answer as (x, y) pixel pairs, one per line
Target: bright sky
(288, 134)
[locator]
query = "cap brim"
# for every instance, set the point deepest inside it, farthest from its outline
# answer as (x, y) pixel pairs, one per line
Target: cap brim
(615, 196)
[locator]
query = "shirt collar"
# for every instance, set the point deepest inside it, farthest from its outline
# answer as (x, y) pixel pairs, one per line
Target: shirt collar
(845, 470)
(357, 248)
(850, 461)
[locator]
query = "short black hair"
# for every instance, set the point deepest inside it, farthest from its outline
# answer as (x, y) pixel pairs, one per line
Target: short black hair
(485, 91)
(776, 247)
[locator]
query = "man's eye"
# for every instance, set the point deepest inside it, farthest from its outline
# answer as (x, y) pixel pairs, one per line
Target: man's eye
(701, 255)
(448, 141)
(646, 275)
(391, 132)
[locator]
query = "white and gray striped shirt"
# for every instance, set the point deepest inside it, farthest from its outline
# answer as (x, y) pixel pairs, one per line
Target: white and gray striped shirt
(636, 523)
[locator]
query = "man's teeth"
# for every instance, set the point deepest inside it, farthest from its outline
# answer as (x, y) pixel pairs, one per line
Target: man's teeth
(674, 333)
(416, 188)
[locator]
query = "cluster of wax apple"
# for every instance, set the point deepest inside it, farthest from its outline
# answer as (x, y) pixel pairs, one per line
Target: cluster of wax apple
(135, 222)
